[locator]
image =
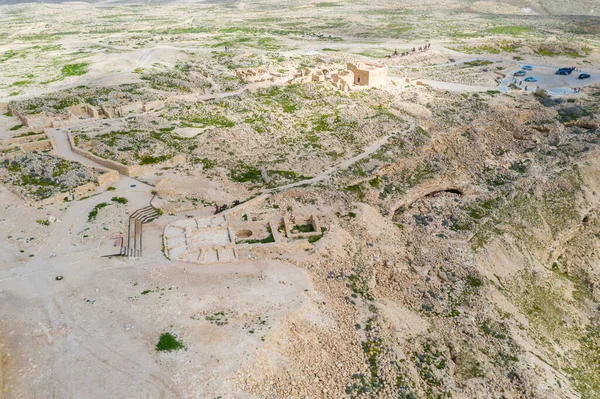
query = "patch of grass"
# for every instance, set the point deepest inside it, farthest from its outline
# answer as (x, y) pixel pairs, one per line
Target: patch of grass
(94, 212)
(357, 190)
(508, 30)
(16, 127)
(218, 318)
(211, 120)
(75, 69)
(119, 200)
(151, 160)
(266, 240)
(478, 63)
(473, 281)
(313, 239)
(467, 366)
(168, 343)
(305, 228)
(245, 173)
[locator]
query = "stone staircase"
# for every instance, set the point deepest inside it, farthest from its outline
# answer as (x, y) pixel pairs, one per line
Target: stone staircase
(132, 246)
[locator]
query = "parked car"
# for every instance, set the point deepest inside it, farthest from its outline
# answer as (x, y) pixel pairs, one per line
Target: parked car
(528, 67)
(584, 76)
(531, 79)
(564, 71)
(520, 73)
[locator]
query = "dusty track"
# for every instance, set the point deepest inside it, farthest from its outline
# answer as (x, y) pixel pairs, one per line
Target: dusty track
(373, 148)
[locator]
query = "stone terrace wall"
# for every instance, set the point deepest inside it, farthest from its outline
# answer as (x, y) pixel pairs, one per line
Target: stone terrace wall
(132, 170)
(23, 139)
(36, 146)
(107, 178)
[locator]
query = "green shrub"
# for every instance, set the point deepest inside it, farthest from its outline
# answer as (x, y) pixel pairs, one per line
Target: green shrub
(94, 212)
(169, 343)
(119, 200)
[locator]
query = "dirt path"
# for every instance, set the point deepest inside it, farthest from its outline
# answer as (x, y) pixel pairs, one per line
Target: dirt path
(373, 148)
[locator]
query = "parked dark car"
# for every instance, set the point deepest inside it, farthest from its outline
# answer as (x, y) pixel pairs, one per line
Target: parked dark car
(565, 71)
(520, 73)
(584, 76)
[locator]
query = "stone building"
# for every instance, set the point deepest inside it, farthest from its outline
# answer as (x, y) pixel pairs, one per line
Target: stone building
(372, 75)
(343, 80)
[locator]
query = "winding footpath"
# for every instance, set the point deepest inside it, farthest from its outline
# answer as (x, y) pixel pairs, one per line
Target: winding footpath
(373, 148)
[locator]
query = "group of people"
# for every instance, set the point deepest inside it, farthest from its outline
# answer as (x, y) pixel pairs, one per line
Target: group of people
(413, 50)
(575, 89)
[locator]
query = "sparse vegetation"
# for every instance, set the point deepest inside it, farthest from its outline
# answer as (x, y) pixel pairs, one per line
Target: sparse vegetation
(463, 210)
(75, 69)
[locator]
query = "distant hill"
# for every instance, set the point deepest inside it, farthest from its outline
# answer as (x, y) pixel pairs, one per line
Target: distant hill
(544, 7)
(556, 7)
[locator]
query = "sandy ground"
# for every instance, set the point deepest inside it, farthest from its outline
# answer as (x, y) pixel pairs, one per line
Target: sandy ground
(98, 326)
(95, 327)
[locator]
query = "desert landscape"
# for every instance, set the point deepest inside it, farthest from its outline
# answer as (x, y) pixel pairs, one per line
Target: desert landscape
(273, 199)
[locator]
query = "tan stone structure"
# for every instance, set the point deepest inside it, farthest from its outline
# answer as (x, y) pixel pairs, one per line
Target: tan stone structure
(27, 143)
(354, 77)
(127, 170)
(83, 111)
(372, 75)
(343, 80)
(237, 233)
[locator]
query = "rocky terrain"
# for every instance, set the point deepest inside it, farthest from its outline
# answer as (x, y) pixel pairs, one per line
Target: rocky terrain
(38, 176)
(433, 236)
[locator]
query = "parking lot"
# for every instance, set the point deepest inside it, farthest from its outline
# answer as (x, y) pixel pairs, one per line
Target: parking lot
(549, 80)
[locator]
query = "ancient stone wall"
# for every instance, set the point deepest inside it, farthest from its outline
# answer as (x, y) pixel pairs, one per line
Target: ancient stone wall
(150, 105)
(38, 121)
(127, 170)
(36, 146)
(41, 121)
(107, 179)
(107, 110)
(84, 189)
(132, 107)
(378, 77)
(23, 139)
(122, 169)
(77, 110)
(361, 77)
(55, 199)
(92, 111)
